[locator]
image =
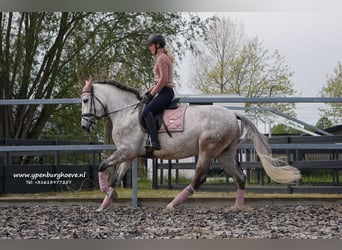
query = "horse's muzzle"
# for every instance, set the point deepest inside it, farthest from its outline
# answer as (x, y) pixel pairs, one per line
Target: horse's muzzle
(86, 128)
(88, 124)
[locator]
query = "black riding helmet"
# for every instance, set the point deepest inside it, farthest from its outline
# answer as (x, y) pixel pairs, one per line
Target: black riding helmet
(156, 38)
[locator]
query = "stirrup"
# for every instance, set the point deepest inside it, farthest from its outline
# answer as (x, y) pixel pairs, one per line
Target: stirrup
(152, 145)
(148, 142)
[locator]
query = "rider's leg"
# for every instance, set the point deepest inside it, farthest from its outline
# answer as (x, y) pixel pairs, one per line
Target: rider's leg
(158, 103)
(151, 127)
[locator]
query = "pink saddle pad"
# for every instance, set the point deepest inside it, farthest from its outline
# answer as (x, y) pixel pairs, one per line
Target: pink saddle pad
(174, 119)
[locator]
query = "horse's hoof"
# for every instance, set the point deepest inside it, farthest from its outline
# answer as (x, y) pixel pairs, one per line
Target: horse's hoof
(231, 209)
(246, 208)
(114, 195)
(168, 209)
(102, 167)
(243, 208)
(106, 202)
(100, 209)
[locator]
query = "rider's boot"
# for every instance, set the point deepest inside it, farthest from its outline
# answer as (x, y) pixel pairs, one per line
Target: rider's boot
(151, 127)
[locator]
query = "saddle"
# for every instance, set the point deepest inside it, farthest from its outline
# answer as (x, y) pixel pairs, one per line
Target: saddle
(158, 118)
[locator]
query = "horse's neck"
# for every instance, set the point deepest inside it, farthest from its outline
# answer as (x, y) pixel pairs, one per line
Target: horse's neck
(117, 100)
(114, 97)
(121, 106)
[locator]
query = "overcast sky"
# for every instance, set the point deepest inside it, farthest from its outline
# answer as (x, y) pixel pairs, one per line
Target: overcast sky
(310, 41)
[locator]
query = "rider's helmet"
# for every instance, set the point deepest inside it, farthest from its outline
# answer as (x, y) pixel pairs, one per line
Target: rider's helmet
(156, 38)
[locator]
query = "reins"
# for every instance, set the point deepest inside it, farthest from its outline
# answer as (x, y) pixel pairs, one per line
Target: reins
(130, 106)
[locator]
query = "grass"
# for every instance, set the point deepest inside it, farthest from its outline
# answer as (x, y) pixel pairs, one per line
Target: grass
(164, 193)
(122, 193)
(145, 191)
(317, 176)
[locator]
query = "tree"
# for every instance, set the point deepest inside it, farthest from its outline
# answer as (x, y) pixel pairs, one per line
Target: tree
(49, 55)
(230, 63)
(323, 123)
(281, 129)
(333, 88)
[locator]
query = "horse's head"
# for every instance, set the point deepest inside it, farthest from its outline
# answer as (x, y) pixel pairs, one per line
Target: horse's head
(92, 108)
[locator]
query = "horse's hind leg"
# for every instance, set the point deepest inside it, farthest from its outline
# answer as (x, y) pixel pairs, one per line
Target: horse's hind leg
(199, 177)
(227, 160)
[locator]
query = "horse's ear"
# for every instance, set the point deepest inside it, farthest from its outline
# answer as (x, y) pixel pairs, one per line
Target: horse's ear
(88, 87)
(89, 82)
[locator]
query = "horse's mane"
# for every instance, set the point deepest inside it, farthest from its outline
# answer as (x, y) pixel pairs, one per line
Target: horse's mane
(121, 86)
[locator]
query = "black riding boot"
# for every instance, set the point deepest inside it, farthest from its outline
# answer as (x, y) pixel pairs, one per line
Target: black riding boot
(151, 127)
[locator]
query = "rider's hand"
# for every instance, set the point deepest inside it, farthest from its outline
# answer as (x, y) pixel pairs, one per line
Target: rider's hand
(147, 98)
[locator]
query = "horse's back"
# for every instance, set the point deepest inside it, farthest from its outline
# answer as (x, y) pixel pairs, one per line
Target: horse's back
(203, 124)
(203, 121)
(210, 116)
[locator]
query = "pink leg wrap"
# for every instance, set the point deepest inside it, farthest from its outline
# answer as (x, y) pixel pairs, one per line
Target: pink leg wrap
(107, 199)
(240, 198)
(181, 197)
(103, 182)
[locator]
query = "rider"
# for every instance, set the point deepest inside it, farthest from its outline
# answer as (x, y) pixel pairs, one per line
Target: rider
(161, 93)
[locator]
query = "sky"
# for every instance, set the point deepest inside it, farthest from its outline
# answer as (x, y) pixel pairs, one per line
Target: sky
(310, 41)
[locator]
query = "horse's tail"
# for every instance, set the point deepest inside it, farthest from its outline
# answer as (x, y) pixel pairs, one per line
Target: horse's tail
(277, 169)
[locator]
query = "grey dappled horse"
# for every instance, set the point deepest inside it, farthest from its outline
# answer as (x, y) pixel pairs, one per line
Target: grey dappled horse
(209, 132)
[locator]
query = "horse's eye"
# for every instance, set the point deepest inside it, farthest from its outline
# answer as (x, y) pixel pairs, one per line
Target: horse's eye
(85, 100)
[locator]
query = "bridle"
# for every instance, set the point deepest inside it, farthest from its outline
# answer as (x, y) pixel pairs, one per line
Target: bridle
(91, 114)
(88, 116)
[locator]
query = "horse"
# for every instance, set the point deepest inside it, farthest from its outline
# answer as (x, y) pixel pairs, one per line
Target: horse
(210, 132)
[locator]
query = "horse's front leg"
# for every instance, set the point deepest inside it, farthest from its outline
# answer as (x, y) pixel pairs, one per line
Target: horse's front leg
(111, 191)
(120, 157)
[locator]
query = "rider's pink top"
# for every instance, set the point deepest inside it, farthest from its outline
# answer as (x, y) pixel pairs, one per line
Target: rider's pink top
(163, 71)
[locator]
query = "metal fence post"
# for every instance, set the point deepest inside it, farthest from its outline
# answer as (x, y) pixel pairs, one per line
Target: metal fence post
(169, 175)
(154, 173)
(135, 183)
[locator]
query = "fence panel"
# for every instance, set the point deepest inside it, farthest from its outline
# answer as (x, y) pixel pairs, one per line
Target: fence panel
(318, 154)
(294, 155)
